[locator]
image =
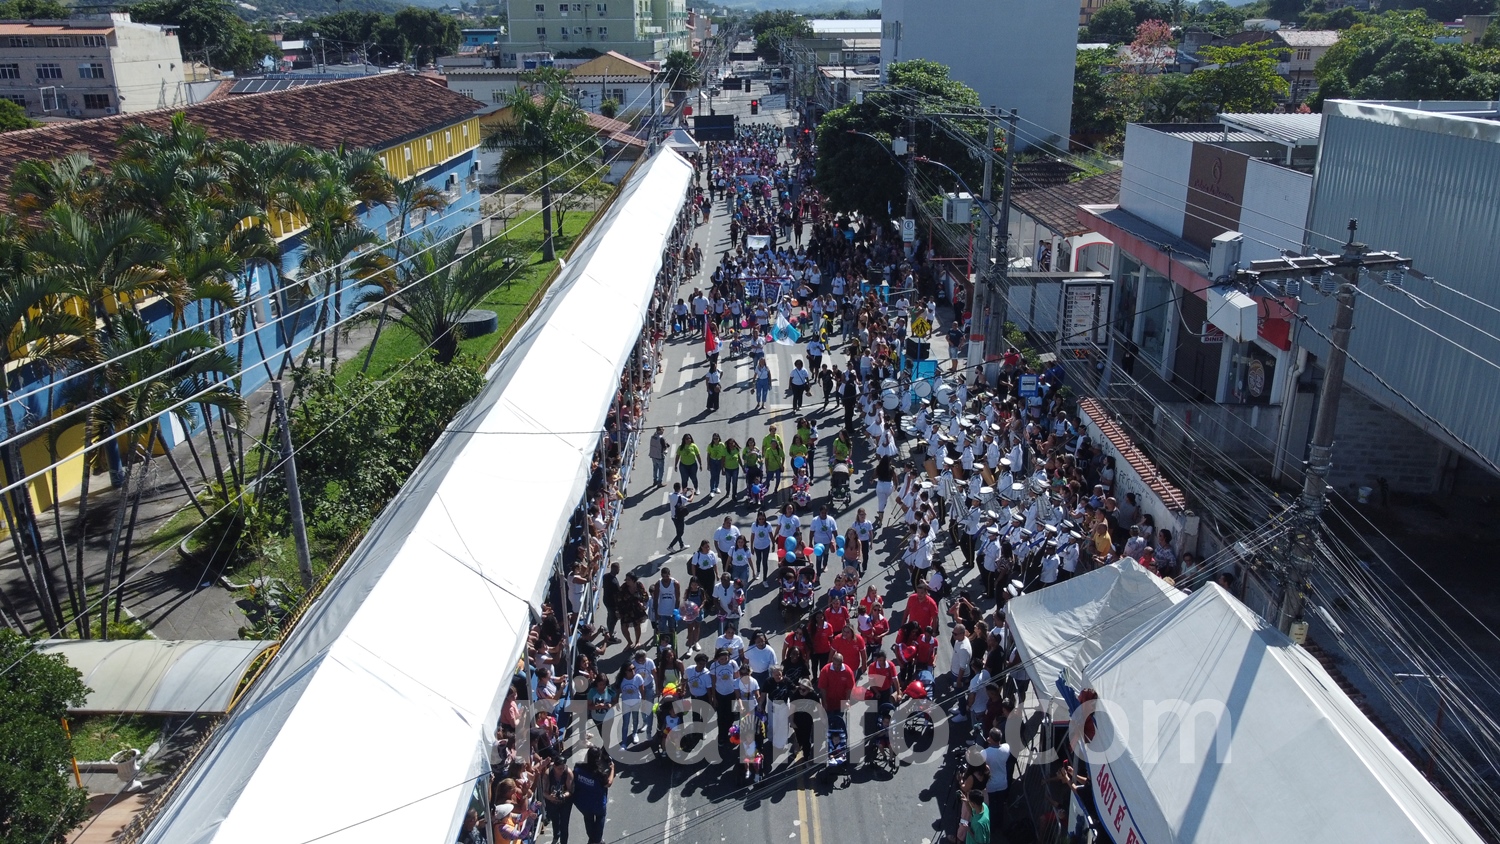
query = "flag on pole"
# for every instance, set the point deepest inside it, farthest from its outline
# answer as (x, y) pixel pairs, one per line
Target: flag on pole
(710, 339)
(784, 333)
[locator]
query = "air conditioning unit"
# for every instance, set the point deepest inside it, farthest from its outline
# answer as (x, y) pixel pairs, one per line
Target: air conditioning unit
(110, 110)
(73, 112)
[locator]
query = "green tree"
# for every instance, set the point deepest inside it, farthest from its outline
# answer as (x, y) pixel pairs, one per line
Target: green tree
(1095, 112)
(771, 29)
(1222, 18)
(858, 173)
(1239, 78)
(1341, 18)
(437, 287)
(30, 10)
(410, 197)
(38, 801)
(430, 33)
(547, 134)
(13, 117)
(210, 29)
(681, 70)
(1113, 23)
(1392, 56)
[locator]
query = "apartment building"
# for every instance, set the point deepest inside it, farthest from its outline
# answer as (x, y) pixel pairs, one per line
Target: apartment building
(90, 67)
(641, 29)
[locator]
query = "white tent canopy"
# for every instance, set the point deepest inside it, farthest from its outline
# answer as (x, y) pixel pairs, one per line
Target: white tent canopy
(681, 141)
(374, 721)
(1060, 629)
(1290, 757)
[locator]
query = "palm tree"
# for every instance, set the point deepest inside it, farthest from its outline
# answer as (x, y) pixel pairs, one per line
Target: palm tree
(37, 329)
(411, 196)
(438, 288)
(98, 260)
(71, 180)
(147, 381)
(547, 134)
(681, 70)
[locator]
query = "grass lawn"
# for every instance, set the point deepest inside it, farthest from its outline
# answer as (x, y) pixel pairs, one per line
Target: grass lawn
(98, 737)
(397, 345)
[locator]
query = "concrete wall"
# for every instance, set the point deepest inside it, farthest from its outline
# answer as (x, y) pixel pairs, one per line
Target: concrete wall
(147, 67)
(1371, 442)
(1015, 53)
(1153, 185)
(1274, 210)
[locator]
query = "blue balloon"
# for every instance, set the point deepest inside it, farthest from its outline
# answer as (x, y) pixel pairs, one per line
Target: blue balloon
(839, 541)
(798, 462)
(820, 549)
(839, 550)
(791, 545)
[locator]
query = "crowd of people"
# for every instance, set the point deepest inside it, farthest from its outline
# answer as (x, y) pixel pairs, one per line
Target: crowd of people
(981, 494)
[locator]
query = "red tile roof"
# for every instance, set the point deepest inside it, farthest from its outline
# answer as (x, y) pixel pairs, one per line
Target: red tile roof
(372, 112)
(1057, 207)
(1172, 497)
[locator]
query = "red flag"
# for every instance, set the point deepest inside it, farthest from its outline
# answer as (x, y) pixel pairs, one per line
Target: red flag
(710, 339)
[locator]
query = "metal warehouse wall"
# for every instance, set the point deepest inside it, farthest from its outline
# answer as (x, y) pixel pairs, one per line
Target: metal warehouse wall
(1427, 185)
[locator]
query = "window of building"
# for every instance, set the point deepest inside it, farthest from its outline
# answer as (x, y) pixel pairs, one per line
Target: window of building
(18, 99)
(96, 101)
(541, 32)
(603, 33)
(448, 135)
(49, 98)
(541, 10)
(467, 92)
(10, 71)
(577, 7)
(496, 97)
(92, 70)
(22, 41)
(59, 41)
(601, 8)
(95, 41)
(429, 145)
(47, 70)
(392, 229)
(618, 95)
(564, 33)
(1304, 54)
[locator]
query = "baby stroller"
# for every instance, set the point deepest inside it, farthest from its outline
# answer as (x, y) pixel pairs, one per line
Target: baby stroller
(838, 490)
(837, 765)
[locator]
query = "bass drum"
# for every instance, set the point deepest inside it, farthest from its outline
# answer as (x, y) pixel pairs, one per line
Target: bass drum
(890, 399)
(923, 389)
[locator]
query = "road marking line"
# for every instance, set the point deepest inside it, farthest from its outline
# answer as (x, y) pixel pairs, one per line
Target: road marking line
(685, 371)
(817, 821)
(661, 525)
(802, 808)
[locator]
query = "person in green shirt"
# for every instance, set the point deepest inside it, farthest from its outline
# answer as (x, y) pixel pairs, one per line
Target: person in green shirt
(731, 469)
(974, 820)
(753, 462)
(775, 457)
(687, 462)
(772, 437)
(799, 449)
(716, 454)
(842, 448)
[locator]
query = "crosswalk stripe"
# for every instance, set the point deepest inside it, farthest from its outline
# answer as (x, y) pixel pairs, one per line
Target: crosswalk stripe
(685, 371)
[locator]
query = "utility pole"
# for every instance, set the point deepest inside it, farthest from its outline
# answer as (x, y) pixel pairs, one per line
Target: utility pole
(293, 492)
(994, 332)
(984, 279)
(1336, 275)
(911, 170)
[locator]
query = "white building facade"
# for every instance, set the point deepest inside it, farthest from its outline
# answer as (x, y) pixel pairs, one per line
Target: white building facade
(1015, 53)
(90, 67)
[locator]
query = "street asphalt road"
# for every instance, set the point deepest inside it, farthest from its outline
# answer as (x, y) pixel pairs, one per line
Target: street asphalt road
(660, 802)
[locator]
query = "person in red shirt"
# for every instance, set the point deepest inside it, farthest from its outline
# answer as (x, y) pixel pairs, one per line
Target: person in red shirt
(820, 637)
(871, 600)
(880, 676)
(837, 614)
(795, 641)
(851, 646)
(927, 647)
(835, 684)
(921, 608)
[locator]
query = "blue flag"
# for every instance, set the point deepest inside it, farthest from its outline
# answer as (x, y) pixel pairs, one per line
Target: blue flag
(784, 333)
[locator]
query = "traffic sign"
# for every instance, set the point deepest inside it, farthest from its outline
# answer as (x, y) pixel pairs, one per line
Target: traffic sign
(920, 327)
(908, 230)
(1028, 386)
